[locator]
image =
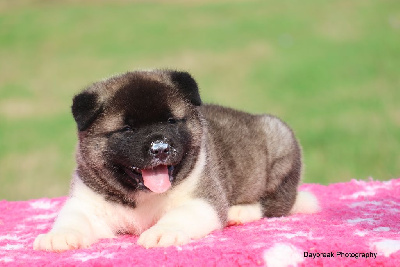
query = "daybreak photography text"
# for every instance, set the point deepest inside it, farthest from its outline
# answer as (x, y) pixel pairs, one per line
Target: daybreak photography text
(340, 254)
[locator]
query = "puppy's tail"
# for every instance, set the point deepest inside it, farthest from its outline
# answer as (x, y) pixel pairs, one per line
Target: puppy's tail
(306, 202)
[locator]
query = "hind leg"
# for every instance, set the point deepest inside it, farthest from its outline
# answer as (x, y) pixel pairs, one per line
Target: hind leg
(278, 204)
(283, 169)
(280, 201)
(239, 214)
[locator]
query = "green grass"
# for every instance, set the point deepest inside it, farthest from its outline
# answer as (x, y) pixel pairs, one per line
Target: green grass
(330, 69)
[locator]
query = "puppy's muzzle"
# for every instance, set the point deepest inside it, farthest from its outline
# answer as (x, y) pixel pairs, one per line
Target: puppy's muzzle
(160, 149)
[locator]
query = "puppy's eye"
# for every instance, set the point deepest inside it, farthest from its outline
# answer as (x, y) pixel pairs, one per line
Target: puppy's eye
(126, 128)
(171, 120)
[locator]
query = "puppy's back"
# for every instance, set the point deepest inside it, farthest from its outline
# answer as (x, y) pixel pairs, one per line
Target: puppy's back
(253, 151)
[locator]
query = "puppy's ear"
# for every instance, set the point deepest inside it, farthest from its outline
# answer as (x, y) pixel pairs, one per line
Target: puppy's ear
(85, 108)
(187, 85)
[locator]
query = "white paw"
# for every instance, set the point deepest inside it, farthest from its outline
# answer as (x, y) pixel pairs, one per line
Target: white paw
(163, 236)
(240, 214)
(61, 241)
(306, 202)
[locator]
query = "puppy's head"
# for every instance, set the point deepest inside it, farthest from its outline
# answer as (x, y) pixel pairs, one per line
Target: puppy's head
(140, 130)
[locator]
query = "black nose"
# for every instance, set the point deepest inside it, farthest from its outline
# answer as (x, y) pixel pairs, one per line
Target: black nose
(159, 149)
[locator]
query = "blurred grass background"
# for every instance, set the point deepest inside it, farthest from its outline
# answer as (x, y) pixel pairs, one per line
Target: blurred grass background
(331, 69)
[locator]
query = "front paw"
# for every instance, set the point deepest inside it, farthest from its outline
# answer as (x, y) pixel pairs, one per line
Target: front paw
(163, 236)
(60, 241)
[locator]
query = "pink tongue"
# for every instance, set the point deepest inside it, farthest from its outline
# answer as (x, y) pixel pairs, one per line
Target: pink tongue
(157, 179)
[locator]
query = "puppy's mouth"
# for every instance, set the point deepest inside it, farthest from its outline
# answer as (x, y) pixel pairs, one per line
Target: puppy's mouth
(157, 179)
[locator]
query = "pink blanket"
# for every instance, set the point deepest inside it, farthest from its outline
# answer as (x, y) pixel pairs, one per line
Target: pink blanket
(358, 226)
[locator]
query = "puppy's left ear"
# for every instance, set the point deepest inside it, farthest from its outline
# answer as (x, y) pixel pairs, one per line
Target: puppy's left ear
(187, 85)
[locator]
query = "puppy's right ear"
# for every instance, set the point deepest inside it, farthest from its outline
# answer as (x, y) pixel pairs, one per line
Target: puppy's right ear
(85, 109)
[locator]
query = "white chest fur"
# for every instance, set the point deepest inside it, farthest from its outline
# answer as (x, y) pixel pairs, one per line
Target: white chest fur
(170, 218)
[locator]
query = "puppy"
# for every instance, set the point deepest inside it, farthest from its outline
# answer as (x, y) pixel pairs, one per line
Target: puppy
(153, 161)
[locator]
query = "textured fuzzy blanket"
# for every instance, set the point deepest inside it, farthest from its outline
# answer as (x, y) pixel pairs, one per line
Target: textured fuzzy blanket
(358, 226)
